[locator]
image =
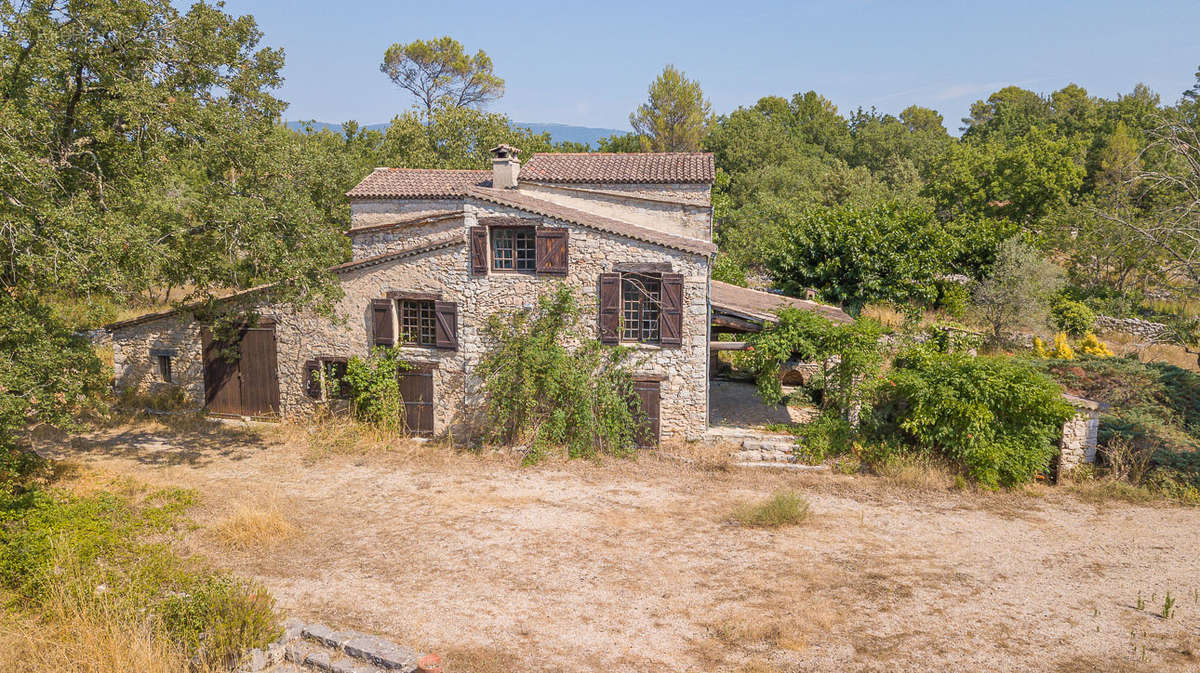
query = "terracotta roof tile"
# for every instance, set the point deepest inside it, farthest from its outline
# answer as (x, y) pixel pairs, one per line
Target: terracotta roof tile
(417, 183)
(515, 199)
(612, 167)
(763, 305)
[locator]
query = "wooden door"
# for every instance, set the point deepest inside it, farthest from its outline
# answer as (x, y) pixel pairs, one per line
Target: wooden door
(222, 384)
(258, 369)
(647, 393)
(416, 388)
(248, 385)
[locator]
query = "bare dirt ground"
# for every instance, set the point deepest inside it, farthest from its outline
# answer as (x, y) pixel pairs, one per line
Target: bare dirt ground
(627, 565)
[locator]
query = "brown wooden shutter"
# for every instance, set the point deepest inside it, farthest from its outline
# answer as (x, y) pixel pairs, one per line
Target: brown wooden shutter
(312, 379)
(445, 315)
(551, 249)
(479, 256)
(610, 308)
(671, 321)
(382, 333)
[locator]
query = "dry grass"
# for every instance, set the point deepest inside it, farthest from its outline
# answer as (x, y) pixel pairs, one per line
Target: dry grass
(330, 435)
(260, 524)
(69, 639)
(1123, 344)
(917, 472)
(784, 508)
(481, 660)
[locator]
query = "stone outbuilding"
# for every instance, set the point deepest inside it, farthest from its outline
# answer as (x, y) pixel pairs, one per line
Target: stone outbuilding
(435, 253)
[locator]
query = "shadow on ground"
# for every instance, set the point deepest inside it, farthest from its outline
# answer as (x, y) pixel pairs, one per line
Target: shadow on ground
(195, 443)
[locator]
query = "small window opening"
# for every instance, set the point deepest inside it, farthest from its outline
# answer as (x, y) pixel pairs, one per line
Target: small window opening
(164, 368)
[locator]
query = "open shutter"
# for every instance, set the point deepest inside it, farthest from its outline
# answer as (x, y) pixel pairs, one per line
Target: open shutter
(610, 308)
(479, 257)
(445, 315)
(551, 249)
(382, 333)
(312, 379)
(671, 332)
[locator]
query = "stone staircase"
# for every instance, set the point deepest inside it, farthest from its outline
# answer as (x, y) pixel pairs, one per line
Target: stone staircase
(758, 448)
(316, 647)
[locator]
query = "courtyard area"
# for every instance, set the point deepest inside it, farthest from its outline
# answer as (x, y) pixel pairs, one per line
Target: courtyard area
(636, 565)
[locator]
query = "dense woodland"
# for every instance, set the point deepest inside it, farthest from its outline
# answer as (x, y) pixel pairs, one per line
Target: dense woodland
(145, 162)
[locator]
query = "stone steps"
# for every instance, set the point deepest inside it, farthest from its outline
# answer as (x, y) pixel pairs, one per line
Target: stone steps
(316, 647)
(754, 446)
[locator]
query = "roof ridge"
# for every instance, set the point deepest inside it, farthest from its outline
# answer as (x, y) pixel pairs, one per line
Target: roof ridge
(620, 154)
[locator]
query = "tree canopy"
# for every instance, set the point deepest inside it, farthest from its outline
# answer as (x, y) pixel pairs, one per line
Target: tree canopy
(441, 72)
(674, 117)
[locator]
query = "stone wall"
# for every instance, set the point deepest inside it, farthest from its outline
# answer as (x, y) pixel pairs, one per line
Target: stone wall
(636, 205)
(134, 363)
(380, 241)
(1145, 330)
(303, 336)
(1079, 435)
(371, 212)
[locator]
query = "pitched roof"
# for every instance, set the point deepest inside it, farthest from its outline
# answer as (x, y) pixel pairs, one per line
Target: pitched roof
(614, 167)
(417, 183)
(413, 220)
(515, 199)
(763, 305)
(445, 241)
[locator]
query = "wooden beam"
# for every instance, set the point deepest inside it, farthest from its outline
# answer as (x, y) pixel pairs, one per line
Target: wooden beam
(728, 345)
(735, 324)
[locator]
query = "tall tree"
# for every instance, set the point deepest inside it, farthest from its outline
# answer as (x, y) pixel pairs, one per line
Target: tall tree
(675, 116)
(440, 71)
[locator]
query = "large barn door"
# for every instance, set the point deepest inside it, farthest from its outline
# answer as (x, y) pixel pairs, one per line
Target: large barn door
(647, 393)
(416, 387)
(247, 386)
(260, 379)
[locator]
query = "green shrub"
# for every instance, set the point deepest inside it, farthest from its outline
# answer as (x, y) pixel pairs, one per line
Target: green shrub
(541, 392)
(953, 298)
(218, 617)
(825, 436)
(997, 417)
(784, 508)
(373, 384)
(1072, 317)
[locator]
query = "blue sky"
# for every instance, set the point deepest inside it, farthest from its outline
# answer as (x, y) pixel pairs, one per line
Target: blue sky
(588, 63)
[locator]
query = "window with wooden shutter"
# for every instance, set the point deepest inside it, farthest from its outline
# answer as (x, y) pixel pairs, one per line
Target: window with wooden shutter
(446, 314)
(479, 250)
(671, 321)
(610, 308)
(312, 379)
(382, 332)
(552, 250)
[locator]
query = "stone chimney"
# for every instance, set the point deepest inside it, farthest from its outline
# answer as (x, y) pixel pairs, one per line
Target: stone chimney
(505, 167)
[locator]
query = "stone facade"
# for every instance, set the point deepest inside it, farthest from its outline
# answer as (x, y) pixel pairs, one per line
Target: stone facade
(301, 336)
(683, 210)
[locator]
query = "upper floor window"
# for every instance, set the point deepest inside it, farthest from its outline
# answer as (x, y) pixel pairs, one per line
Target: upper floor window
(514, 249)
(418, 324)
(641, 305)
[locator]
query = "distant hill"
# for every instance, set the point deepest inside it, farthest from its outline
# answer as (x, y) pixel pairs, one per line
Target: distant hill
(588, 135)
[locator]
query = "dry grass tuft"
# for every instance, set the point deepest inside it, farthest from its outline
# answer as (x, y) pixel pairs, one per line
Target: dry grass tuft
(256, 525)
(481, 660)
(784, 508)
(917, 472)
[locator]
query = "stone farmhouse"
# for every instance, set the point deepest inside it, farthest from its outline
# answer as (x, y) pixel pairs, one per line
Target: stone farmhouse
(436, 252)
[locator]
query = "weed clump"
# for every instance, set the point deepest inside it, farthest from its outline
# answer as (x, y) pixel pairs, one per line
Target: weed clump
(784, 508)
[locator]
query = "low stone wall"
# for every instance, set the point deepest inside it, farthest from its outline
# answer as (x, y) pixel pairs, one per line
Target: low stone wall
(1145, 330)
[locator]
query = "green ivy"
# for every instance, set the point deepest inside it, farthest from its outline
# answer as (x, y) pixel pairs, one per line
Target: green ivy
(542, 393)
(373, 384)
